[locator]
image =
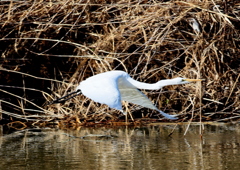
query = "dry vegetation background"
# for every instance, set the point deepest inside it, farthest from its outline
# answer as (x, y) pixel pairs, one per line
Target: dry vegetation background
(48, 46)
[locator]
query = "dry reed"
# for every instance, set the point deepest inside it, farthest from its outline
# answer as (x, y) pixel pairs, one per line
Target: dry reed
(48, 47)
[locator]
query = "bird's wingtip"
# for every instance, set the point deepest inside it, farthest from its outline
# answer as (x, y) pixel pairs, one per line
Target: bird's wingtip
(171, 117)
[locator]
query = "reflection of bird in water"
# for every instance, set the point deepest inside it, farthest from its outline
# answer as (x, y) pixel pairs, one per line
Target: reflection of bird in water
(112, 87)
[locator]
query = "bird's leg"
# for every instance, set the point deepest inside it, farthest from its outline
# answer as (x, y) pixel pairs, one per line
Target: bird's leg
(65, 98)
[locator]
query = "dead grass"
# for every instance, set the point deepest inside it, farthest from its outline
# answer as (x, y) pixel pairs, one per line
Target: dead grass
(48, 47)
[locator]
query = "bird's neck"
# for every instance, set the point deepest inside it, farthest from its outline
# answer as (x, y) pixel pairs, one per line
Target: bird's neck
(163, 83)
(158, 85)
(154, 86)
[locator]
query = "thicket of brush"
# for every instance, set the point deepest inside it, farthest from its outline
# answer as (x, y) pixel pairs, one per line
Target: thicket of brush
(48, 47)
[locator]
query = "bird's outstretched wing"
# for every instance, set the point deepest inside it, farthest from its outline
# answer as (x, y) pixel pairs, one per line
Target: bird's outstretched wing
(135, 96)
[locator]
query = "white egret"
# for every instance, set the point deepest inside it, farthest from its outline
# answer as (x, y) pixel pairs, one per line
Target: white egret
(112, 87)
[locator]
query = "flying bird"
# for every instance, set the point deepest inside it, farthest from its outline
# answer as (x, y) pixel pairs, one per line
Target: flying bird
(112, 87)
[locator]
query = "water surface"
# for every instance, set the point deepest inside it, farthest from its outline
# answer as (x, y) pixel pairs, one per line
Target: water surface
(123, 148)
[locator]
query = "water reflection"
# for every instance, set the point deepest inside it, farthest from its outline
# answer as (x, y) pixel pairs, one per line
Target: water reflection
(127, 148)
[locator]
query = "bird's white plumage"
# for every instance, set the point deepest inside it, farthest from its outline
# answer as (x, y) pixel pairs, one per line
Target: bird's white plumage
(112, 87)
(103, 88)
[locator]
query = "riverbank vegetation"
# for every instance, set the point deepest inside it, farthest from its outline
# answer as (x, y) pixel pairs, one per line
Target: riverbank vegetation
(48, 47)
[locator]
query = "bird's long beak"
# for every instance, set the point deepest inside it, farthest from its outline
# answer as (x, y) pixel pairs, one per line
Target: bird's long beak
(193, 80)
